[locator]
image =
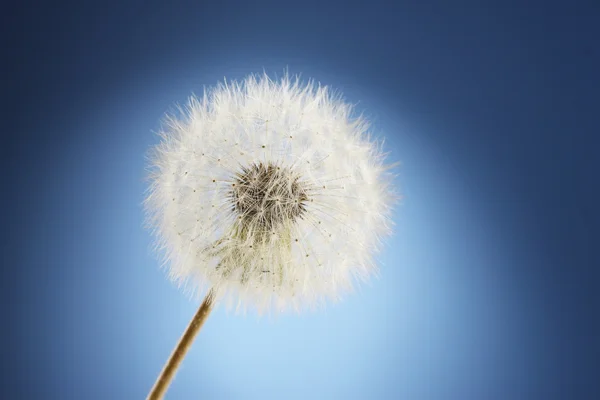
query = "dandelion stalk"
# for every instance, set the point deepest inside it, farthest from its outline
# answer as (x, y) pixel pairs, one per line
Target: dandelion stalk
(170, 368)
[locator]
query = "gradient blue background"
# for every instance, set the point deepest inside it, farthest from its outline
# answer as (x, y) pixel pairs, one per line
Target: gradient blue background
(488, 289)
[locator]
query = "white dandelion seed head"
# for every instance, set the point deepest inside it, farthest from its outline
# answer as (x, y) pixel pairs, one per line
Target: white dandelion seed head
(270, 193)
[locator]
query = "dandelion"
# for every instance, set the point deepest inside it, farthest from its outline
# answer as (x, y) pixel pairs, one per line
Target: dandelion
(269, 195)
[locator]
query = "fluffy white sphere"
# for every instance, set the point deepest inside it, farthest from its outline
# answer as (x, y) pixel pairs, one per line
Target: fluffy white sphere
(270, 193)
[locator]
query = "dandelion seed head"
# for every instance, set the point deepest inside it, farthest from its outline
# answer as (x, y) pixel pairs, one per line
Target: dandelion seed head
(271, 193)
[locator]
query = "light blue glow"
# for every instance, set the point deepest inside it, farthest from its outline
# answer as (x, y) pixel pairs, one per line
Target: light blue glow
(445, 320)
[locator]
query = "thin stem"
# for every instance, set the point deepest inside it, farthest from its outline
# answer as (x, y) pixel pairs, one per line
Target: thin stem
(168, 372)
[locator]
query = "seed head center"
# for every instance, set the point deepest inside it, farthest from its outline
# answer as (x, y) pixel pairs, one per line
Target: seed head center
(267, 195)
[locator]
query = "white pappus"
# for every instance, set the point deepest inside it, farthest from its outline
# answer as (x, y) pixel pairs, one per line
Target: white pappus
(269, 192)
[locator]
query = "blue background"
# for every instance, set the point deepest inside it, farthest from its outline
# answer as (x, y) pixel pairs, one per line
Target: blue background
(488, 289)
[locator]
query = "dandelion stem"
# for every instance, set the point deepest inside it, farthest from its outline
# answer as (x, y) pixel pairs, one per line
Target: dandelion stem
(168, 372)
